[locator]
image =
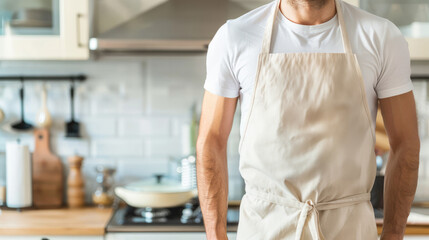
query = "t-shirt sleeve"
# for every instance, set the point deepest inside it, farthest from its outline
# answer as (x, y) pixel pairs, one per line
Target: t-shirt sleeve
(394, 78)
(220, 78)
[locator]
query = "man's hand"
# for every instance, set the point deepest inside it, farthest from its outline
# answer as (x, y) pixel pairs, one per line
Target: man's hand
(212, 172)
(400, 120)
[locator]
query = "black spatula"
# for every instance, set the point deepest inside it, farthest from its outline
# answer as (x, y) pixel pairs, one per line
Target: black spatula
(72, 127)
(22, 125)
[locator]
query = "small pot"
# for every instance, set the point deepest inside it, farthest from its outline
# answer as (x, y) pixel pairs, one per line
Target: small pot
(156, 192)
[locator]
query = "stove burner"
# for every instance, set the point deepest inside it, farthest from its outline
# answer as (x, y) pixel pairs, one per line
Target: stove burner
(189, 213)
(152, 213)
(187, 217)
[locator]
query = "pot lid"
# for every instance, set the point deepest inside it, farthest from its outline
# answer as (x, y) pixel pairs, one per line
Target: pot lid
(159, 184)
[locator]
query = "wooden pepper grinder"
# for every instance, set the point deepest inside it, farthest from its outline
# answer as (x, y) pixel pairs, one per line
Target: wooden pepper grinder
(75, 191)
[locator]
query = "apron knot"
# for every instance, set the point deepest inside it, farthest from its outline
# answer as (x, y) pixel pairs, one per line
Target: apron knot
(310, 205)
(309, 211)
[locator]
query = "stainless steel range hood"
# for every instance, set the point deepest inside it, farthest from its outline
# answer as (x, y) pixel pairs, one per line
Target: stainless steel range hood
(176, 25)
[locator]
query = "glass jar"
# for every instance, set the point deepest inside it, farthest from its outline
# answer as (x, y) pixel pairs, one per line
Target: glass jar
(103, 195)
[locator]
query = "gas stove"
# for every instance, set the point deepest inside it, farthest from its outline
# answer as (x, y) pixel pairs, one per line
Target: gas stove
(186, 218)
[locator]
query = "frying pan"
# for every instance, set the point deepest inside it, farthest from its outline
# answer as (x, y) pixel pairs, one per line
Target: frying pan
(156, 192)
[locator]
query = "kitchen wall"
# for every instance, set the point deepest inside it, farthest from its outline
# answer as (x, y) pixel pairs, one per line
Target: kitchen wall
(132, 113)
(132, 109)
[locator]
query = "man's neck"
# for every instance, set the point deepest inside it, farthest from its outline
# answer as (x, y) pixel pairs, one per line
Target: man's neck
(308, 12)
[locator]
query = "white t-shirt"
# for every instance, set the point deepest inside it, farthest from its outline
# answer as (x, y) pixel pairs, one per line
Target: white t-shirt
(381, 50)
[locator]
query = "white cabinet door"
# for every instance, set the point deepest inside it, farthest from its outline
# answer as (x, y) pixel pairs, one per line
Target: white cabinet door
(44, 30)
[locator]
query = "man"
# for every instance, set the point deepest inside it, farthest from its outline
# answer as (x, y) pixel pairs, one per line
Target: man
(308, 120)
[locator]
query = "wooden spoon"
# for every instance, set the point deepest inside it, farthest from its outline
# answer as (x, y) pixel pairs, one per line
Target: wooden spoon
(43, 119)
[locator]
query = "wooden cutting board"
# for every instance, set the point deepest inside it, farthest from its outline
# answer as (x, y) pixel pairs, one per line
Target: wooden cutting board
(47, 173)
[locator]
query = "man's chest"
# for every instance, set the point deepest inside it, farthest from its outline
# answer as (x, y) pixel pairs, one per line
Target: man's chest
(247, 64)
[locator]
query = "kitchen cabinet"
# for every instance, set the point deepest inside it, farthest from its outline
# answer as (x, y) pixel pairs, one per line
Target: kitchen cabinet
(410, 16)
(44, 30)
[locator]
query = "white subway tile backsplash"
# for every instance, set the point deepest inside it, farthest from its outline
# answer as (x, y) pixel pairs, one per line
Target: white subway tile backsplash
(115, 147)
(131, 99)
(131, 170)
(177, 123)
(131, 112)
(69, 146)
(100, 126)
(105, 101)
(163, 147)
(144, 126)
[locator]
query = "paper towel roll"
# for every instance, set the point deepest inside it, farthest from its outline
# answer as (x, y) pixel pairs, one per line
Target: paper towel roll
(18, 175)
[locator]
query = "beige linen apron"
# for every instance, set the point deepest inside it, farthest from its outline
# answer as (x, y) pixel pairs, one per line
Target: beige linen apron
(307, 153)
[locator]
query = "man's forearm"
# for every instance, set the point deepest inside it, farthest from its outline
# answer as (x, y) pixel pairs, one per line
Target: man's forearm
(399, 189)
(212, 176)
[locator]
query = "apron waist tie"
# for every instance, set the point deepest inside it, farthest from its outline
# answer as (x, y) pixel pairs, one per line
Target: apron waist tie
(309, 209)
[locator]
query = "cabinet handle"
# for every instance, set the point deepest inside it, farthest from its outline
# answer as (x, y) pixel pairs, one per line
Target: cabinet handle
(44, 238)
(79, 43)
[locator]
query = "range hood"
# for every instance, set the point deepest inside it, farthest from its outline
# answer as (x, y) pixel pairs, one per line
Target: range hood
(176, 25)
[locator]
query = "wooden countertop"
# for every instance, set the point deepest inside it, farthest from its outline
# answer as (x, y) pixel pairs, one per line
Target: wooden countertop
(92, 222)
(64, 221)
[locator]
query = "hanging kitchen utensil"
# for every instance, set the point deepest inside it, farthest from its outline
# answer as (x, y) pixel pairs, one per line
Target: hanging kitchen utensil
(43, 119)
(72, 126)
(47, 173)
(22, 125)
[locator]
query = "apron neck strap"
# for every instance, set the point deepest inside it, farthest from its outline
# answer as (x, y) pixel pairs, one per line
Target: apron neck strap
(344, 35)
(266, 43)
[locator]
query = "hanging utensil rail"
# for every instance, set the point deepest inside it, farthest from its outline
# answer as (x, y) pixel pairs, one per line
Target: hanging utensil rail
(420, 77)
(79, 78)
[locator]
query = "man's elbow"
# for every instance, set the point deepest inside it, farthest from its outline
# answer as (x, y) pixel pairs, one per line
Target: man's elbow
(209, 144)
(408, 151)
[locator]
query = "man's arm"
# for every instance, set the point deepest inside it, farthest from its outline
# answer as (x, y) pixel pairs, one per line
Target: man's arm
(212, 171)
(399, 114)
